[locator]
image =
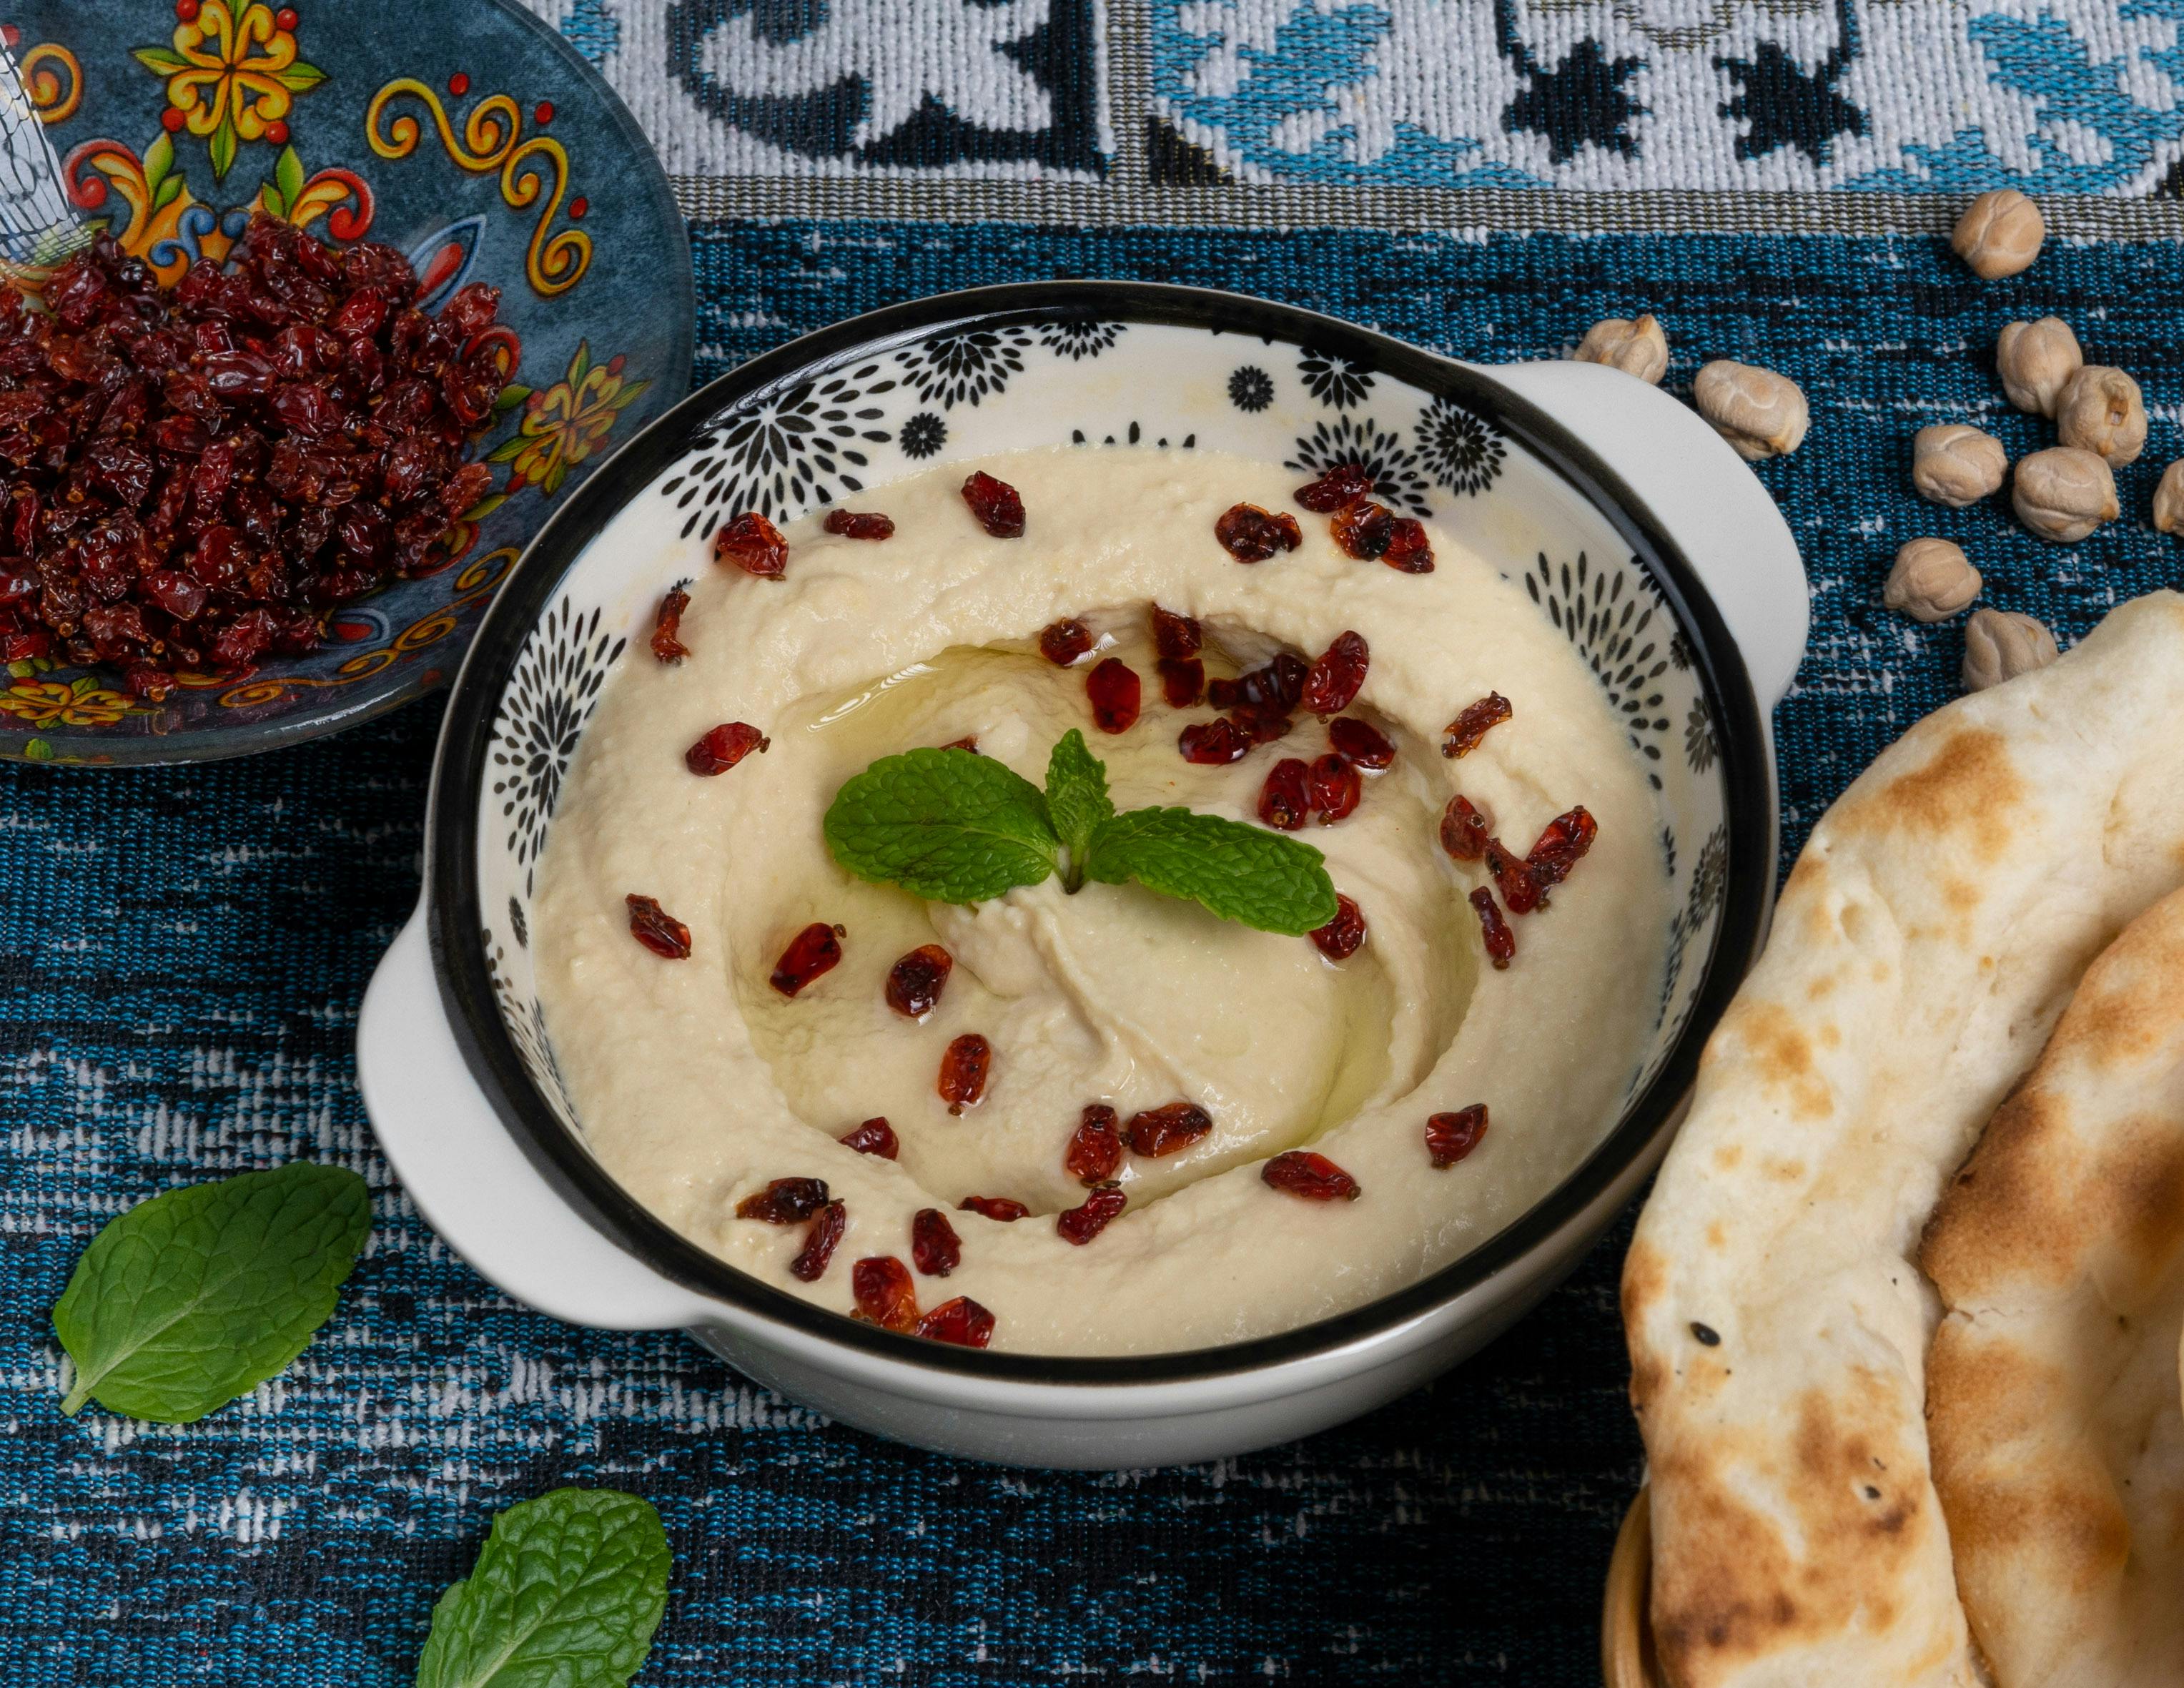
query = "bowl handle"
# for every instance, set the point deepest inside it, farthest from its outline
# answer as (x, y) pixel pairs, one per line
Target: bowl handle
(468, 1178)
(1701, 492)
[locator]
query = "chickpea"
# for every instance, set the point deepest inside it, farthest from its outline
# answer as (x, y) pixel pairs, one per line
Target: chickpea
(1638, 349)
(1759, 412)
(2001, 644)
(2064, 493)
(1956, 466)
(2169, 499)
(2100, 410)
(1931, 580)
(2000, 234)
(2034, 360)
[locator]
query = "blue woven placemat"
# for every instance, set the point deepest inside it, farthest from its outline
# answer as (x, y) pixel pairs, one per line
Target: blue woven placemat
(181, 954)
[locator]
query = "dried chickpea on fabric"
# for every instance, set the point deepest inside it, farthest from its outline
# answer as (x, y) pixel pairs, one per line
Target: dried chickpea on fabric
(195, 476)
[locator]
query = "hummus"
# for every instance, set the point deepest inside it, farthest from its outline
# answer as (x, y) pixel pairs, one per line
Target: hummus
(697, 1083)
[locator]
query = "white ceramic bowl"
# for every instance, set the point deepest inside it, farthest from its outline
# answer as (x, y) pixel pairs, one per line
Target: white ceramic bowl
(1640, 533)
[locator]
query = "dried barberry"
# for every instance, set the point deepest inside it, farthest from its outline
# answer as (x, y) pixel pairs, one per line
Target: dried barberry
(1101, 1207)
(1343, 484)
(785, 1201)
(1493, 930)
(874, 1137)
(723, 747)
(1463, 830)
(1310, 1176)
(752, 544)
(820, 1243)
(1182, 680)
(1096, 1147)
(1213, 743)
(1561, 843)
(1364, 529)
(915, 983)
(933, 1244)
(1258, 726)
(1360, 742)
(963, 1068)
(1342, 937)
(884, 1292)
(667, 627)
(962, 1322)
(1251, 535)
(855, 524)
(968, 742)
(1332, 682)
(1276, 686)
(1114, 689)
(1451, 1136)
(1176, 638)
(997, 505)
(1335, 788)
(813, 952)
(1520, 888)
(1165, 1129)
(656, 929)
(999, 1208)
(1065, 643)
(1474, 723)
(1284, 800)
(1408, 547)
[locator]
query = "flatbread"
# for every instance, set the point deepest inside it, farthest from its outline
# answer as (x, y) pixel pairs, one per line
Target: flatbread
(2052, 1386)
(1927, 941)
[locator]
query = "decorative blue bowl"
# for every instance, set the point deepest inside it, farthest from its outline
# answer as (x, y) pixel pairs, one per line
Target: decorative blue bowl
(470, 137)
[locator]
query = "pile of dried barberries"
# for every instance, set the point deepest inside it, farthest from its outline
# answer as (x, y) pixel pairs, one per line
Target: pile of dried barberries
(196, 475)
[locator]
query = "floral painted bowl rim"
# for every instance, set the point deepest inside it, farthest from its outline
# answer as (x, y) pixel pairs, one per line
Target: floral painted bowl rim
(462, 770)
(341, 710)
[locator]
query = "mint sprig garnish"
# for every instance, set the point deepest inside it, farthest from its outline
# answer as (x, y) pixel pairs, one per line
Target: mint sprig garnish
(963, 829)
(200, 1295)
(951, 828)
(1077, 800)
(566, 1593)
(1242, 873)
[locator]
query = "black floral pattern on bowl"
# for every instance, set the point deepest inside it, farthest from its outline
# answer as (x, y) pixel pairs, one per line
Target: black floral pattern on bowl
(805, 447)
(1459, 449)
(1078, 338)
(526, 1020)
(1701, 746)
(1134, 435)
(1334, 379)
(1702, 902)
(964, 365)
(554, 688)
(1397, 475)
(1612, 625)
(923, 435)
(1250, 389)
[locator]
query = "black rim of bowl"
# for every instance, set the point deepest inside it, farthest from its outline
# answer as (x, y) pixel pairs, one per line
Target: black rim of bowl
(456, 920)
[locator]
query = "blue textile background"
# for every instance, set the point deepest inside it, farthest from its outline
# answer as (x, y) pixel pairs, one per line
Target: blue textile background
(181, 954)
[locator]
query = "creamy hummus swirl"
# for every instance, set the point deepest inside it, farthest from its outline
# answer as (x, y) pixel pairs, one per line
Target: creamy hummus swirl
(697, 1083)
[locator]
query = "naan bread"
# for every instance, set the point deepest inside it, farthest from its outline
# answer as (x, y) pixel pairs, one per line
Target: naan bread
(2052, 1384)
(1934, 928)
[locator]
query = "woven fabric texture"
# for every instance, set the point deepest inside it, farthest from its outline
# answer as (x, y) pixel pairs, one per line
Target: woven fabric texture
(181, 954)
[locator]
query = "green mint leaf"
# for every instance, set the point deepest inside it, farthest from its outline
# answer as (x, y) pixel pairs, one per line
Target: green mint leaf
(1076, 799)
(953, 828)
(565, 1594)
(1242, 873)
(200, 1295)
